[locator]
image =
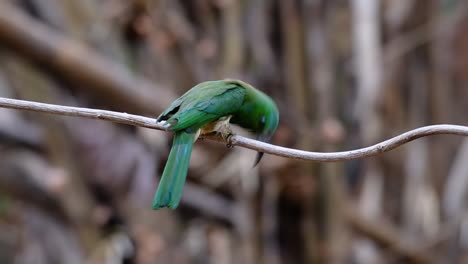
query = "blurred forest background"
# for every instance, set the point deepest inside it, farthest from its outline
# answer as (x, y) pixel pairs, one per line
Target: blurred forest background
(345, 74)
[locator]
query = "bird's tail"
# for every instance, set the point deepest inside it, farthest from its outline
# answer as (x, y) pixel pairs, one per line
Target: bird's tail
(173, 178)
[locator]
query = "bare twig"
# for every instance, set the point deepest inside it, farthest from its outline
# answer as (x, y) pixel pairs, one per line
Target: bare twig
(236, 140)
(123, 118)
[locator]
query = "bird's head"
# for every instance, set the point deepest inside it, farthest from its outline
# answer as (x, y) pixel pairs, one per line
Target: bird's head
(259, 113)
(268, 123)
(269, 120)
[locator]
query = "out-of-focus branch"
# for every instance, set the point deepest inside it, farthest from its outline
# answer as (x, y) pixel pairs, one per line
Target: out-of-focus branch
(387, 236)
(96, 74)
(236, 140)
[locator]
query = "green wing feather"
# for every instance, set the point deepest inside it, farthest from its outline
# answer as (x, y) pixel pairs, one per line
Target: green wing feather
(173, 178)
(204, 104)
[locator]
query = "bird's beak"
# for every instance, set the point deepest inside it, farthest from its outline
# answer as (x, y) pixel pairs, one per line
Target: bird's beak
(263, 138)
(258, 158)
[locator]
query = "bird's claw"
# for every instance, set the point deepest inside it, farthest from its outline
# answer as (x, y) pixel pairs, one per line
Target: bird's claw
(226, 134)
(227, 138)
(229, 141)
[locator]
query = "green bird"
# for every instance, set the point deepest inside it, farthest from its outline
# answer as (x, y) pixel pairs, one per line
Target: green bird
(206, 108)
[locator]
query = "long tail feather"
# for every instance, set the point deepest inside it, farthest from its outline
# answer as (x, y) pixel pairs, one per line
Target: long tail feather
(173, 178)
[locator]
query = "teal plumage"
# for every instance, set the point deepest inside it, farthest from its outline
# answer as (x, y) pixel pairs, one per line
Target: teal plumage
(173, 180)
(199, 108)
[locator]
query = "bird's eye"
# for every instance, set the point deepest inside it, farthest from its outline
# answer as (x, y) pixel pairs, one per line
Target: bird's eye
(262, 121)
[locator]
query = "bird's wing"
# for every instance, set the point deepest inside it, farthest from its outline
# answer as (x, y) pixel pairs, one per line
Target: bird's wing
(171, 110)
(194, 95)
(209, 104)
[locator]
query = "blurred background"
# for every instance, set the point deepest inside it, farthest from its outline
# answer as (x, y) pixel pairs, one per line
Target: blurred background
(345, 74)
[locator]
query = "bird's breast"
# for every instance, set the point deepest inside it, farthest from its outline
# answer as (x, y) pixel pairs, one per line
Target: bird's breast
(217, 125)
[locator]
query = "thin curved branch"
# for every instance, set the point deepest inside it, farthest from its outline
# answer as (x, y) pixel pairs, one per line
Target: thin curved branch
(136, 120)
(117, 117)
(378, 148)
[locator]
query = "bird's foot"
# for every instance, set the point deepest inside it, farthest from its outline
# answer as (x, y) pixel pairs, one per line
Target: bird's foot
(226, 134)
(220, 128)
(229, 142)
